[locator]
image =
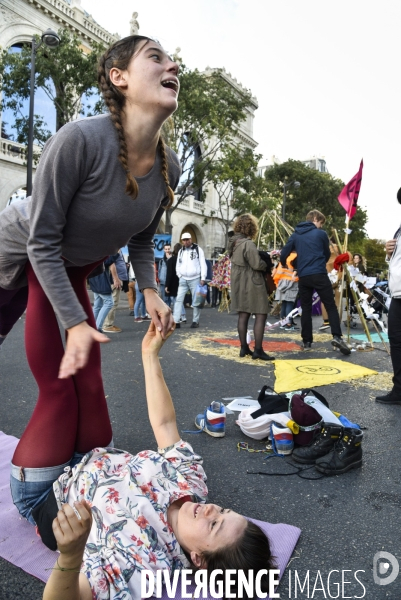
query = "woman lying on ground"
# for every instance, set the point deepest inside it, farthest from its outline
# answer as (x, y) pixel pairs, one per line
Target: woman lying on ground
(136, 512)
(101, 183)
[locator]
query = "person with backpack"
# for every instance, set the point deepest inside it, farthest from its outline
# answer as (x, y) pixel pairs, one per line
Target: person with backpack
(191, 270)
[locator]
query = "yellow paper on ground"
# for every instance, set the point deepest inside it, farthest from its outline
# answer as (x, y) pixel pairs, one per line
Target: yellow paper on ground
(300, 374)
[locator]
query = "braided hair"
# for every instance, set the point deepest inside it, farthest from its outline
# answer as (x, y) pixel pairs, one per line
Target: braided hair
(119, 56)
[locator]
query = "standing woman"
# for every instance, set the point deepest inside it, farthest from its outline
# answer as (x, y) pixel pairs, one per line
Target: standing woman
(248, 289)
(101, 183)
(360, 262)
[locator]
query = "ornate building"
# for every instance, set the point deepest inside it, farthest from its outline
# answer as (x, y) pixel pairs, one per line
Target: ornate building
(19, 21)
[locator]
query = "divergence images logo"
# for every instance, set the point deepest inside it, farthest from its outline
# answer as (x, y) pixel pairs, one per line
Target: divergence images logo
(382, 575)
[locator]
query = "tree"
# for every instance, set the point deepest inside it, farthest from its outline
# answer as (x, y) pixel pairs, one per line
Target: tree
(204, 125)
(66, 74)
(233, 176)
(317, 190)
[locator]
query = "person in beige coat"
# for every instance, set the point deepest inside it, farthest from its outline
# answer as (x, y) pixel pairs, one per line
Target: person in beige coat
(248, 289)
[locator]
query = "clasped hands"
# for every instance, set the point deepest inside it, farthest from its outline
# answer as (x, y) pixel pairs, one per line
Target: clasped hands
(81, 337)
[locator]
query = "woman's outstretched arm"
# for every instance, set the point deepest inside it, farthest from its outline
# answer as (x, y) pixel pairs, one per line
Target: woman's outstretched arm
(160, 405)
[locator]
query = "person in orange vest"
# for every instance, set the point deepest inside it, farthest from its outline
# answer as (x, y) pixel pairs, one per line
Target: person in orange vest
(286, 281)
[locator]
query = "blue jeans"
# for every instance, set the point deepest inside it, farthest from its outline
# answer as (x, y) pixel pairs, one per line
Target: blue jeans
(30, 487)
(140, 306)
(185, 286)
(286, 307)
(164, 297)
(183, 312)
(101, 307)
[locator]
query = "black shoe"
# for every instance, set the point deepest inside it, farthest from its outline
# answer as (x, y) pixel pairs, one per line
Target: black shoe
(194, 325)
(260, 354)
(346, 454)
(389, 398)
(321, 444)
(339, 343)
(307, 346)
(245, 351)
(132, 313)
(177, 325)
(325, 325)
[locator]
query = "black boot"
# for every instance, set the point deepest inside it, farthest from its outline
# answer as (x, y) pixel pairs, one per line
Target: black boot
(321, 445)
(261, 355)
(245, 351)
(346, 454)
(390, 398)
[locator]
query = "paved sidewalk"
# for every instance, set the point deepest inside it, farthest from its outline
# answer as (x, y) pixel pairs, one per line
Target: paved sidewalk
(345, 520)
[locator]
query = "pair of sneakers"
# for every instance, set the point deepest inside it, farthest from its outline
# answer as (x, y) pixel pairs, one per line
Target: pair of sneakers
(213, 421)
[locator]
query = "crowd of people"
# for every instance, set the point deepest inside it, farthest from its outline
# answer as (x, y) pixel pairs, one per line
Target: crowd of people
(103, 183)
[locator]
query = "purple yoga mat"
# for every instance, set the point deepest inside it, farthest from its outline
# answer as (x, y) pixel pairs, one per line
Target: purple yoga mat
(20, 545)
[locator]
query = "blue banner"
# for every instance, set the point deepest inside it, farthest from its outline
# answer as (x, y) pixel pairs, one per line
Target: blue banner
(159, 241)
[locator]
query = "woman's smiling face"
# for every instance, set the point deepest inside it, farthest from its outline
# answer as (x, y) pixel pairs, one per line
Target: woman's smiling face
(151, 80)
(201, 527)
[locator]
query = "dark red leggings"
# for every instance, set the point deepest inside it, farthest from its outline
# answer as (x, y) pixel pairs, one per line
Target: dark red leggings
(71, 415)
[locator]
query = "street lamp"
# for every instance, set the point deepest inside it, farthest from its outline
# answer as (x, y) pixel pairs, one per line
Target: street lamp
(51, 40)
(296, 185)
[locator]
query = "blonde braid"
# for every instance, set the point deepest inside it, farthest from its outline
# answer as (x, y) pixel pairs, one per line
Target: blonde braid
(115, 101)
(163, 153)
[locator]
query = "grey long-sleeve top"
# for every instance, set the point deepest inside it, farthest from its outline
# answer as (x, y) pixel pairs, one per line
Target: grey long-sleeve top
(79, 213)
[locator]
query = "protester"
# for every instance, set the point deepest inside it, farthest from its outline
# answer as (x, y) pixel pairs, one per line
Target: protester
(80, 211)
(360, 263)
(102, 293)
(131, 293)
(191, 271)
(136, 512)
(86, 204)
(162, 272)
(119, 276)
(312, 247)
(393, 252)
(140, 306)
(286, 282)
(248, 289)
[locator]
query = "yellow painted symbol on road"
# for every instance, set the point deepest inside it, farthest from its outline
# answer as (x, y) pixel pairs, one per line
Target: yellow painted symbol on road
(301, 374)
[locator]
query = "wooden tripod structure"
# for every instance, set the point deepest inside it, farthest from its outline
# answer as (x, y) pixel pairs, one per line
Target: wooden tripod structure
(281, 229)
(347, 275)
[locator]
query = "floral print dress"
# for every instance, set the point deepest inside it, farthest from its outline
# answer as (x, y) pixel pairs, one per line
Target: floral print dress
(129, 496)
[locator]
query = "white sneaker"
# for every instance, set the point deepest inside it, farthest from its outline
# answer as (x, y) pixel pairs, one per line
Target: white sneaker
(282, 439)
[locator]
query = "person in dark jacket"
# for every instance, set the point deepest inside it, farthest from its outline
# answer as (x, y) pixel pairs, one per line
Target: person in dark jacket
(313, 250)
(172, 281)
(102, 292)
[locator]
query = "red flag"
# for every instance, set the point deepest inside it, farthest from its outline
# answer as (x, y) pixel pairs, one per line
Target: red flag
(348, 197)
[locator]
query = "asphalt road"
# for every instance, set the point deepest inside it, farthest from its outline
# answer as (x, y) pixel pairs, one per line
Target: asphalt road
(345, 520)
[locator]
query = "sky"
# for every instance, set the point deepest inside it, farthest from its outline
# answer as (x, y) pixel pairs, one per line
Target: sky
(325, 75)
